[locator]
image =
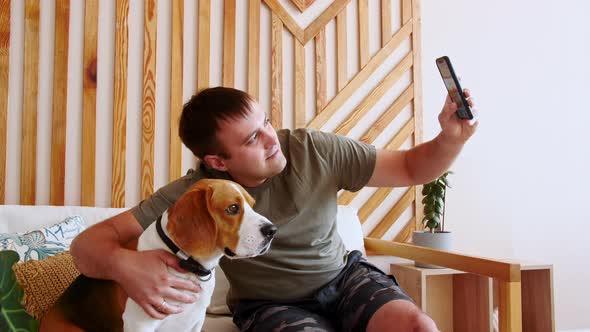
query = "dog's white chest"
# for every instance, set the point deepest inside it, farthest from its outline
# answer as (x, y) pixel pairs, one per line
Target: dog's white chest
(193, 314)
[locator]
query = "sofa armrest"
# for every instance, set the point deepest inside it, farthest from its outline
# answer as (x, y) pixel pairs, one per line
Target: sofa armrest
(507, 273)
(498, 269)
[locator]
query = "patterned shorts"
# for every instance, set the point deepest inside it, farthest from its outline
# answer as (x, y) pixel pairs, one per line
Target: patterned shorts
(347, 303)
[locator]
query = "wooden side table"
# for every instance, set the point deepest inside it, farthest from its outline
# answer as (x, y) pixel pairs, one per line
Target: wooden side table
(460, 301)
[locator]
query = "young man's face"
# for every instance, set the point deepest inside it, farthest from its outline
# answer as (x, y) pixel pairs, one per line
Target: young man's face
(252, 146)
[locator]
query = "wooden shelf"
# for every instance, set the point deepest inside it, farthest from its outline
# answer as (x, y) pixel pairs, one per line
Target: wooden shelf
(461, 301)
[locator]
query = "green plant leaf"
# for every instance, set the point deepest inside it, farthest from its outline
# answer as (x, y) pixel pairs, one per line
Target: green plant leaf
(426, 189)
(13, 316)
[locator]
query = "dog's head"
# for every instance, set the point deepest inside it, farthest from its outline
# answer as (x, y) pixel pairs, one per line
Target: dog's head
(217, 214)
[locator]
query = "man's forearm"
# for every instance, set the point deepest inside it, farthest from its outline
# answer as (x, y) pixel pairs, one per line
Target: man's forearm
(98, 250)
(429, 160)
(94, 249)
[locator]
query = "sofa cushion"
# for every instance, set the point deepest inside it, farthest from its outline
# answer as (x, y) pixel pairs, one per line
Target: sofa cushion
(44, 242)
(21, 218)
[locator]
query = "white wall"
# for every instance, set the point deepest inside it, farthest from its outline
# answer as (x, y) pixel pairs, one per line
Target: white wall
(520, 187)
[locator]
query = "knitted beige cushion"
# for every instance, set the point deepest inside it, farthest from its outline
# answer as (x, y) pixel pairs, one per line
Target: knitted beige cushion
(44, 281)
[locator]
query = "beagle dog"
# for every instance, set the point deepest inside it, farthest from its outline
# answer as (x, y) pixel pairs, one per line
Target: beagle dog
(212, 219)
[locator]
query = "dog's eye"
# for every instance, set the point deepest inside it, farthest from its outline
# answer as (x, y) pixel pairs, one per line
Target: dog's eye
(233, 209)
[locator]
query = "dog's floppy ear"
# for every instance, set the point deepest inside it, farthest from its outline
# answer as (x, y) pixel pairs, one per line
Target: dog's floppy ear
(191, 225)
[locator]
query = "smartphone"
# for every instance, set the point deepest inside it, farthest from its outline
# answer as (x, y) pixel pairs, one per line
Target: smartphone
(454, 88)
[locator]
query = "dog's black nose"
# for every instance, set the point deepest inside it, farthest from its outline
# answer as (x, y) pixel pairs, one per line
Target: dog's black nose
(268, 230)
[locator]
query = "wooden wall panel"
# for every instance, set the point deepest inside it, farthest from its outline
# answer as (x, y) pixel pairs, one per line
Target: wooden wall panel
(375, 95)
(363, 18)
(148, 117)
(176, 88)
(321, 71)
(60, 93)
(299, 86)
(281, 22)
(253, 47)
(341, 51)
(28, 175)
(385, 21)
(4, 73)
(276, 69)
(360, 78)
(204, 44)
(417, 79)
(229, 42)
(120, 104)
(90, 80)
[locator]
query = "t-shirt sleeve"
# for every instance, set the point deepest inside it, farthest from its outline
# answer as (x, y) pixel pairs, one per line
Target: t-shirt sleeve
(151, 208)
(352, 162)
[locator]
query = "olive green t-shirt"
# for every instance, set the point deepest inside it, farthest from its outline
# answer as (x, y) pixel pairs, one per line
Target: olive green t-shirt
(301, 201)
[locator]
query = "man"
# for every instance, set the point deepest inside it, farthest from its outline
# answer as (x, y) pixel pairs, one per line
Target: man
(307, 281)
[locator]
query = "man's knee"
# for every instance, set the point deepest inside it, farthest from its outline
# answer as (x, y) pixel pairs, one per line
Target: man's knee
(401, 315)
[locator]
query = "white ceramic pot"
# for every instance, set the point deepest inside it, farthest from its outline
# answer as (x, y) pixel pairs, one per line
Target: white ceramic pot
(437, 240)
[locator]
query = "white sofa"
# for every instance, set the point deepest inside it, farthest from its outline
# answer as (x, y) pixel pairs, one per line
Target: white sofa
(18, 218)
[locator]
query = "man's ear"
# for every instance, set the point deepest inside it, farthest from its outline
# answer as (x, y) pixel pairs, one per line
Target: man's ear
(216, 162)
(191, 225)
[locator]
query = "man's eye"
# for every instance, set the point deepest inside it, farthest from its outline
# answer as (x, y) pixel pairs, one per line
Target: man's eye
(233, 209)
(266, 122)
(253, 139)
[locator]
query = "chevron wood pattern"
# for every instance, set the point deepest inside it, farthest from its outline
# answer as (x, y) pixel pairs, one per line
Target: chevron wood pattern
(288, 64)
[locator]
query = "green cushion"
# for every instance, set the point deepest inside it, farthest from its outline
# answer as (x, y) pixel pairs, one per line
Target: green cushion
(13, 316)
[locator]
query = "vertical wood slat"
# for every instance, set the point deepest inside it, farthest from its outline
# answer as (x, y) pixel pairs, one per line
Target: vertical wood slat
(321, 70)
(60, 89)
(276, 67)
(417, 80)
(229, 42)
(253, 47)
(385, 21)
(120, 103)
(299, 86)
(204, 44)
(363, 18)
(406, 10)
(176, 81)
(341, 50)
(30, 95)
(4, 73)
(148, 109)
(87, 189)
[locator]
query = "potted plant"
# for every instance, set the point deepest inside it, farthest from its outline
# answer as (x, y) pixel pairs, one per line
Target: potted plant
(434, 234)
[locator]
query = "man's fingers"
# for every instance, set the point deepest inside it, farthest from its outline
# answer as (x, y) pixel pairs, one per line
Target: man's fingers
(171, 260)
(184, 284)
(175, 295)
(167, 308)
(151, 310)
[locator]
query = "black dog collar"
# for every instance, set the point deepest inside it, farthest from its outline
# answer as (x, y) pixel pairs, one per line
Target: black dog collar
(187, 262)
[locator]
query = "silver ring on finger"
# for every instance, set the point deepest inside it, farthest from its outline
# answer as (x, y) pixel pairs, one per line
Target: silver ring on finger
(161, 305)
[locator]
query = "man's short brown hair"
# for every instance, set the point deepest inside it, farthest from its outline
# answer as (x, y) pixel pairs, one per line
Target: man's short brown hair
(201, 115)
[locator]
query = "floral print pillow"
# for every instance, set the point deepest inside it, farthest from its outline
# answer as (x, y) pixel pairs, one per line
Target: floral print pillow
(45, 242)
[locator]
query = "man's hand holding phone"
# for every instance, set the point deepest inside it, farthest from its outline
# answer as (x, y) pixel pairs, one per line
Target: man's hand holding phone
(454, 129)
(458, 118)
